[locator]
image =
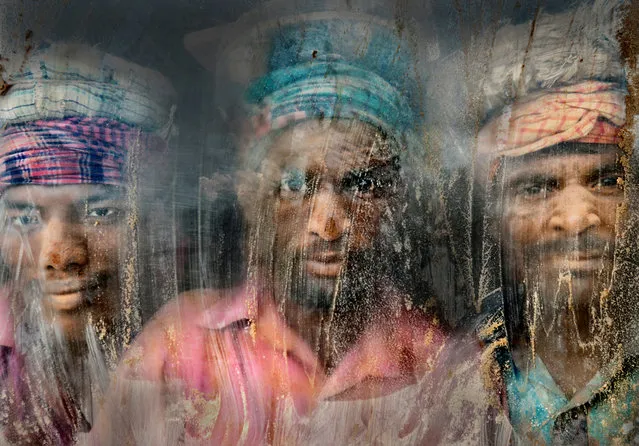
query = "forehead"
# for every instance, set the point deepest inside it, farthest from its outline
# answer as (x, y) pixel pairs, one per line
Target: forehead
(339, 145)
(564, 160)
(59, 195)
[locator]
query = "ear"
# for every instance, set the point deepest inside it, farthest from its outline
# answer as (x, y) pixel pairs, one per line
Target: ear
(248, 185)
(217, 185)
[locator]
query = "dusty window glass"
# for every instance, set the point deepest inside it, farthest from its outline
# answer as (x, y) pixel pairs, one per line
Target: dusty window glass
(317, 222)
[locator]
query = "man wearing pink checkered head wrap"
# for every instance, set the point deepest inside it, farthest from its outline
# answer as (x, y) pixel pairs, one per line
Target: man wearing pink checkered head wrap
(552, 158)
(79, 130)
(588, 112)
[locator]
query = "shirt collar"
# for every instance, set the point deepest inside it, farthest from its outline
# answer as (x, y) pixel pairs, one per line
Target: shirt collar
(388, 355)
(545, 389)
(6, 321)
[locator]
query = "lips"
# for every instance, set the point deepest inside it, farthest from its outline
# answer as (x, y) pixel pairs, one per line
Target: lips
(67, 295)
(576, 255)
(65, 302)
(585, 255)
(325, 263)
(63, 287)
(326, 257)
(578, 261)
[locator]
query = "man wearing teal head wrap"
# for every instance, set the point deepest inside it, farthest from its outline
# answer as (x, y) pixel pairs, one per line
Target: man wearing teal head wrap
(320, 337)
(342, 69)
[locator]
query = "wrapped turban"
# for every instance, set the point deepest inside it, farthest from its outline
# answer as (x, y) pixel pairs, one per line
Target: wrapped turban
(73, 114)
(320, 64)
(589, 112)
(74, 150)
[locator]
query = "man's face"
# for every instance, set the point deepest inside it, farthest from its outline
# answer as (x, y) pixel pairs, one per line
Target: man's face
(560, 215)
(64, 240)
(332, 186)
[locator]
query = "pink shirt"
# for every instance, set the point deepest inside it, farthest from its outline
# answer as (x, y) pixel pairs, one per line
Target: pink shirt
(28, 417)
(240, 376)
(6, 321)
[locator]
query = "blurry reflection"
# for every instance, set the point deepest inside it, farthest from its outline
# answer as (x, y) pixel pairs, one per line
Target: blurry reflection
(77, 125)
(557, 183)
(320, 345)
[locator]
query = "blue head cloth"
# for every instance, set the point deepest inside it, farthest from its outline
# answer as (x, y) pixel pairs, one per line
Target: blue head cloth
(339, 68)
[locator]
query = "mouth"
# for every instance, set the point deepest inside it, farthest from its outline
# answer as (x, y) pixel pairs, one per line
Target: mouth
(68, 295)
(585, 255)
(325, 264)
(65, 302)
(579, 261)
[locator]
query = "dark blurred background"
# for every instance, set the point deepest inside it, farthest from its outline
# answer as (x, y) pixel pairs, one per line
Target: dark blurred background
(151, 32)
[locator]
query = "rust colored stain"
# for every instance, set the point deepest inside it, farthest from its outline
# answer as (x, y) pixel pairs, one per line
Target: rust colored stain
(628, 38)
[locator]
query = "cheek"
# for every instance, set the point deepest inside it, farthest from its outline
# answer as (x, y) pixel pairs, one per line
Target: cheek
(291, 220)
(104, 247)
(524, 225)
(366, 220)
(104, 252)
(21, 250)
(607, 211)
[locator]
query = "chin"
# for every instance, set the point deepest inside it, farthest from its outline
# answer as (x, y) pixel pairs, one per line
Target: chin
(70, 326)
(314, 292)
(582, 289)
(326, 282)
(72, 332)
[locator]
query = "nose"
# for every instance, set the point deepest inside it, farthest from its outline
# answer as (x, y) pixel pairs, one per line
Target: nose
(575, 211)
(63, 249)
(329, 219)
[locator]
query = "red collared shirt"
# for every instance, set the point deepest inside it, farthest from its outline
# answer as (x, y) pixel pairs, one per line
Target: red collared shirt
(246, 377)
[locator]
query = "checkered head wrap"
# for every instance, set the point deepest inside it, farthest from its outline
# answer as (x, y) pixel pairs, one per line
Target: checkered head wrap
(74, 150)
(589, 112)
(334, 67)
(328, 90)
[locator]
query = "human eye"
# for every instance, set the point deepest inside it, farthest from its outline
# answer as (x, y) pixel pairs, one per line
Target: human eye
(535, 189)
(365, 186)
(103, 214)
(293, 182)
(609, 182)
(368, 184)
(24, 220)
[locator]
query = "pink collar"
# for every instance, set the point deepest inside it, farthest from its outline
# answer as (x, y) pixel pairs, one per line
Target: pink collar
(389, 354)
(6, 320)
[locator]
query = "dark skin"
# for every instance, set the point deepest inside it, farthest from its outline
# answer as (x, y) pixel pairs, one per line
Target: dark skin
(560, 213)
(66, 240)
(331, 184)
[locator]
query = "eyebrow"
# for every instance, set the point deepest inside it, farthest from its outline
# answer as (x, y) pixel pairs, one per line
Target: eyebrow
(524, 176)
(528, 177)
(371, 171)
(611, 168)
(385, 166)
(103, 196)
(19, 205)
(22, 205)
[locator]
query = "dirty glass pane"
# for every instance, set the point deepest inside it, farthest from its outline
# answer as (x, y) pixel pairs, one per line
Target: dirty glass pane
(318, 222)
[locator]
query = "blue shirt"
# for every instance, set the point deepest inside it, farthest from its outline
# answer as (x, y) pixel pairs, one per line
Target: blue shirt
(610, 412)
(604, 411)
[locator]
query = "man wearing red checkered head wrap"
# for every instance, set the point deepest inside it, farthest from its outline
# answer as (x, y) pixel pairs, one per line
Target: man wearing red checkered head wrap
(552, 158)
(79, 130)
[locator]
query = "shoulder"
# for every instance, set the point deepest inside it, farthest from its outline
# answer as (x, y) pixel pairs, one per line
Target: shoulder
(6, 319)
(208, 308)
(179, 330)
